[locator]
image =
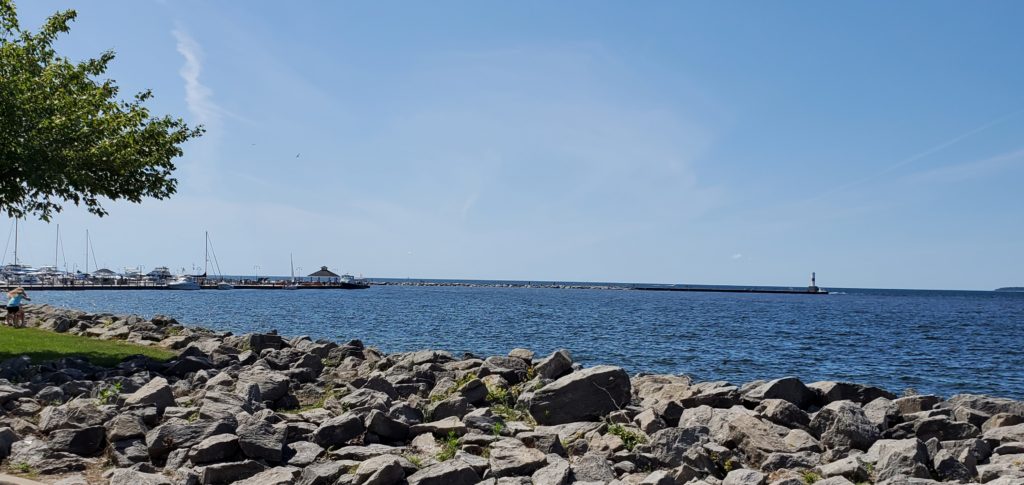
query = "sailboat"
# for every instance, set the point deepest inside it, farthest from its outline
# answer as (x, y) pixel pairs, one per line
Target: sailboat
(292, 285)
(221, 284)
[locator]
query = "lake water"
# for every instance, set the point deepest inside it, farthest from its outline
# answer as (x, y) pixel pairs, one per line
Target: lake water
(935, 342)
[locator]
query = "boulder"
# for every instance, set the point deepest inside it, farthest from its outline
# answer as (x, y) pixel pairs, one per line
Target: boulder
(156, 392)
(744, 477)
(133, 477)
(788, 389)
(669, 444)
(302, 453)
(555, 473)
(262, 440)
(281, 475)
(592, 467)
(986, 404)
(338, 430)
(125, 426)
(272, 385)
(385, 427)
(324, 473)
(1000, 420)
(510, 458)
(843, 425)
(556, 365)
(214, 449)
(439, 428)
(230, 472)
(380, 470)
(831, 391)
(586, 395)
(80, 441)
(908, 457)
(178, 433)
(451, 472)
(916, 403)
(783, 413)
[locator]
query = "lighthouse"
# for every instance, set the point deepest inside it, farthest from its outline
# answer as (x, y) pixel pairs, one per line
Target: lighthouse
(814, 285)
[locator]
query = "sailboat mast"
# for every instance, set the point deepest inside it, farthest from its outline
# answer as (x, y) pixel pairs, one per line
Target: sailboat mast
(206, 254)
(15, 241)
(56, 249)
(86, 251)
(292, 262)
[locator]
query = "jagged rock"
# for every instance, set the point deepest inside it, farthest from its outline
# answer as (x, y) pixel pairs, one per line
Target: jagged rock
(125, 426)
(455, 406)
(511, 458)
(937, 427)
(659, 477)
(80, 441)
(78, 413)
(581, 396)
(1005, 434)
(385, 427)
(556, 365)
(440, 428)
(986, 404)
(39, 458)
(452, 472)
(784, 413)
(325, 473)
(10, 393)
(262, 440)
(273, 385)
(882, 412)
(916, 404)
(213, 449)
(133, 477)
(592, 467)
(380, 470)
(831, 391)
(547, 443)
(281, 475)
(842, 425)
(128, 452)
(744, 477)
(156, 392)
(178, 433)
(1000, 420)
(668, 445)
(850, 467)
(785, 461)
(788, 389)
(7, 438)
(948, 468)
(716, 394)
(229, 472)
(907, 457)
(557, 472)
(338, 430)
(755, 437)
(302, 453)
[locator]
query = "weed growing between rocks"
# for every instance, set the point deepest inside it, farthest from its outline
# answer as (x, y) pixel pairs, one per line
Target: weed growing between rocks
(449, 445)
(629, 437)
(810, 477)
(108, 395)
(415, 460)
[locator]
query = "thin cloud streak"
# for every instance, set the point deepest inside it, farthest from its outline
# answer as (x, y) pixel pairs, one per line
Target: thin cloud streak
(198, 96)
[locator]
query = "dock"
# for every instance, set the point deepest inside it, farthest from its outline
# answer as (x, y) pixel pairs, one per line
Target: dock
(779, 291)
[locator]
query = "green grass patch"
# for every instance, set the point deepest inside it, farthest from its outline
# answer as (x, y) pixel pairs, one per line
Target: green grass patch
(43, 345)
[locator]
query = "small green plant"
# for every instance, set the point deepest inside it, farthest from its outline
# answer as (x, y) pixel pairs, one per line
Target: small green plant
(531, 372)
(629, 437)
(109, 394)
(810, 477)
(870, 467)
(449, 446)
(23, 468)
(728, 466)
(497, 428)
(194, 416)
(415, 460)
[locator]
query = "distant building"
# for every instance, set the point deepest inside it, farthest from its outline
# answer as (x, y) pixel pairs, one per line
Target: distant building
(325, 276)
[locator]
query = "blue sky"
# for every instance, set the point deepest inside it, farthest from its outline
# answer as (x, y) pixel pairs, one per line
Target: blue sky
(880, 144)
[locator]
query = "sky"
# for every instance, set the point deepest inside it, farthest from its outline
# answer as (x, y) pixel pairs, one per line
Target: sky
(880, 144)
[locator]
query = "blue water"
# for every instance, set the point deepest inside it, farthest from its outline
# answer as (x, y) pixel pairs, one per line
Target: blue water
(935, 342)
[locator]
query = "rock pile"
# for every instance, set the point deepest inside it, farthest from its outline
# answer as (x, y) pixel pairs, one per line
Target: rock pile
(265, 409)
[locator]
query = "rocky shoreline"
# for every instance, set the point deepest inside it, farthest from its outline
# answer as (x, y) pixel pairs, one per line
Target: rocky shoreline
(266, 409)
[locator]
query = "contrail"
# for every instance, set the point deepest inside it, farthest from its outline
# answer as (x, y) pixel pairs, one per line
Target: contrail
(914, 158)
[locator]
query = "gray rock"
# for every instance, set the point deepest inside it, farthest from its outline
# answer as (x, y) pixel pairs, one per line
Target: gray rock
(965, 414)
(555, 473)
(229, 472)
(452, 472)
(41, 459)
(302, 453)
(851, 468)
(262, 440)
(669, 444)
(77, 413)
(882, 412)
(843, 425)
(547, 443)
(7, 438)
(133, 477)
(556, 365)
(380, 470)
(592, 467)
(756, 438)
(659, 477)
(948, 468)
(788, 461)
(788, 389)
(324, 473)
(455, 406)
(214, 449)
(744, 477)
(388, 429)
(125, 426)
(81, 441)
(581, 396)
(986, 404)
(156, 392)
(784, 413)
(1005, 434)
(916, 404)
(831, 391)
(649, 422)
(1000, 420)
(178, 433)
(907, 457)
(506, 460)
(281, 475)
(338, 430)
(128, 452)
(439, 428)
(273, 385)
(842, 481)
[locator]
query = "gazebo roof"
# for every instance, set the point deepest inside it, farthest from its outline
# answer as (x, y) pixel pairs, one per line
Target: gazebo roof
(324, 273)
(104, 271)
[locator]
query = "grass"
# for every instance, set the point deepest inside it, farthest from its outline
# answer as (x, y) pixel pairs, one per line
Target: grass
(449, 446)
(810, 477)
(43, 345)
(629, 437)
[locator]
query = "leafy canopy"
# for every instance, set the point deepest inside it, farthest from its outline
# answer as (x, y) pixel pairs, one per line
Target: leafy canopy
(64, 134)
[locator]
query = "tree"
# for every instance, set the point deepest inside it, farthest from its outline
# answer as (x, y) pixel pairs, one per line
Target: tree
(64, 134)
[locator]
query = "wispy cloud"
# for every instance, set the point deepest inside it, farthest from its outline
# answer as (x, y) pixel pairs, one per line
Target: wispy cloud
(198, 96)
(972, 169)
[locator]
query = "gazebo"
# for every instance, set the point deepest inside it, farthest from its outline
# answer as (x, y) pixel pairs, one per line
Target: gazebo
(325, 275)
(105, 276)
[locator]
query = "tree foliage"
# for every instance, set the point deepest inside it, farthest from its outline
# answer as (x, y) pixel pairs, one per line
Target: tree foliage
(65, 136)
